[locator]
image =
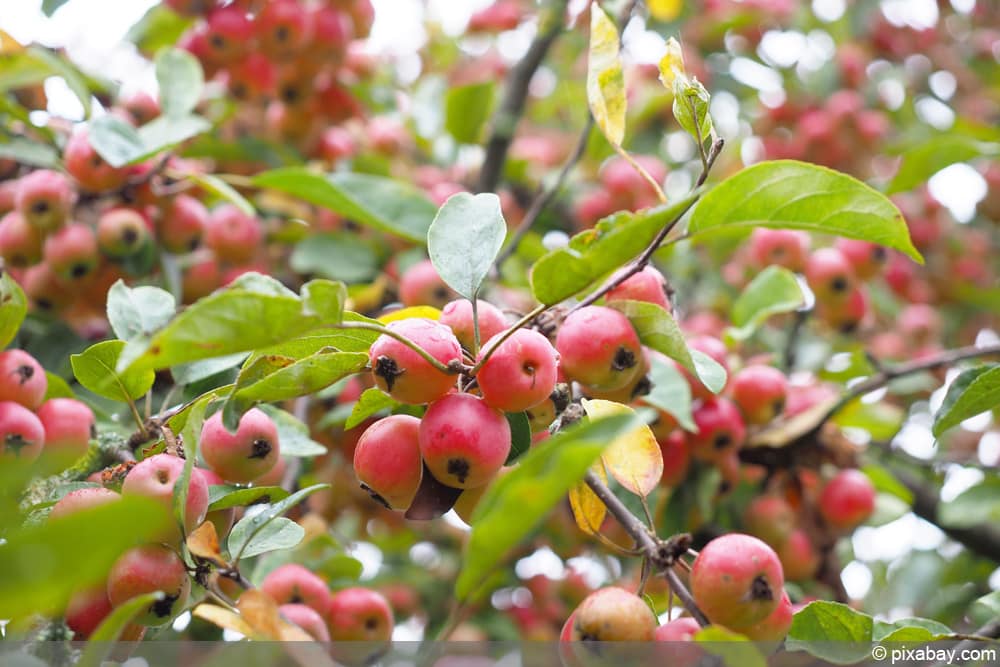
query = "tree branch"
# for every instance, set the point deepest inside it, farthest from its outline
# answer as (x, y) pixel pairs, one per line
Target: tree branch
(511, 107)
(661, 555)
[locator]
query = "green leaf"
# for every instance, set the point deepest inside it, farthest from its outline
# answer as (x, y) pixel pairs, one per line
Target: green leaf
(13, 308)
(467, 109)
(293, 434)
(57, 387)
(159, 27)
(605, 76)
(300, 378)
(224, 496)
(248, 527)
(520, 435)
(165, 132)
(932, 155)
(910, 630)
(45, 564)
(101, 641)
(60, 66)
(670, 393)
(49, 7)
(974, 391)
(120, 144)
(734, 649)
(191, 437)
(382, 203)
(32, 153)
(372, 401)
(200, 370)
(977, 505)
(138, 312)
(254, 311)
(221, 189)
(658, 330)
(691, 108)
(881, 420)
(986, 608)
(96, 369)
(180, 79)
(528, 493)
(592, 254)
(464, 239)
(885, 482)
(831, 631)
(786, 194)
(338, 256)
(279, 533)
(773, 291)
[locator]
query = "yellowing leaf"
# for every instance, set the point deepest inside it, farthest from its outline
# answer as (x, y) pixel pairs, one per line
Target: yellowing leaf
(429, 312)
(664, 10)
(261, 612)
(672, 63)
(204, 543)
(605, 79)
(634, 458)
(223, 618)
(9, 45)
(588, 510)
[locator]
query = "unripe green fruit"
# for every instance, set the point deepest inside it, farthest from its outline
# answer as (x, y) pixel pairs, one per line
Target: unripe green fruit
(245, 455)
(613, 614)
(387, 460)
(146, 569)
(736, 581)
(464, 441)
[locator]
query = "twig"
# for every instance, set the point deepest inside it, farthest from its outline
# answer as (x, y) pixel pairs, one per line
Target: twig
(511, 107)
(788, 359)
(990, 630)
(656, 550)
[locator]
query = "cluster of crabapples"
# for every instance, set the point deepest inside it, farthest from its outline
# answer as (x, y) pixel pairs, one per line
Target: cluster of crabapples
(736, 581)
(54, 432)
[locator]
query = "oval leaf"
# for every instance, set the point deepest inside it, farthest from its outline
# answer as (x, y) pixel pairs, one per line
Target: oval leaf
(180, 80)
(831, 631)
(974, 391)
(787, 194)
(605, 78)
(588, 510)
(95, 369)
(773, 291)
(464, 239)
(634, 458)
(13, 308)
(134, 312)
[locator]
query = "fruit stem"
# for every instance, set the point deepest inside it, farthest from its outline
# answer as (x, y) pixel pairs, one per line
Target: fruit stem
(405, 341)
(648, 542)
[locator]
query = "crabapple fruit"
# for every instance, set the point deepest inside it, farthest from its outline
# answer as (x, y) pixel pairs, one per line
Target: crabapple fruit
(457, 315)
(676, 458)
(421, 285)
(865, 257)
(69, 427)
(156, 478)
(403, 373)
(87, 166)
(44, 198)
(82, 499)
(294, 584)
(782, 247)
(22, 379)
(463, 441)
(613, 614)
(720, 429)
(146, 569)
(222, 519)
(387, 460)
(20, 243)
(182, 224)
(770, 518)
(230, 33)
(799, 559)
(759, 391)
(245, 455)
(47, 291)
(86, 610)
(848, 314)
(359, 614)
(72, 252)
(283, 28)
(775, 627)
(233, 235)
(22, 435)
(520, 372)
(308, 619)
(647, 285)
(681, 629)
(121, 232)
(715, 349)
(736, 580)
(830, 275)
(847, 500)
(599, 348)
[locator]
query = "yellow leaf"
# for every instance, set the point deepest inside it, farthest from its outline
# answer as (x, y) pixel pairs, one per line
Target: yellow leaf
(634, 459)
(204, 543)
(588, 510)
(672, 64)
(260, 611)
(9, 45)
(605, 79)
(664, 10)
(429, 312)
(223, 618)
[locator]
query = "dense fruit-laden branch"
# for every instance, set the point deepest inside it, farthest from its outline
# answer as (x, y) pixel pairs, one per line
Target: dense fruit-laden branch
(658, 553)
